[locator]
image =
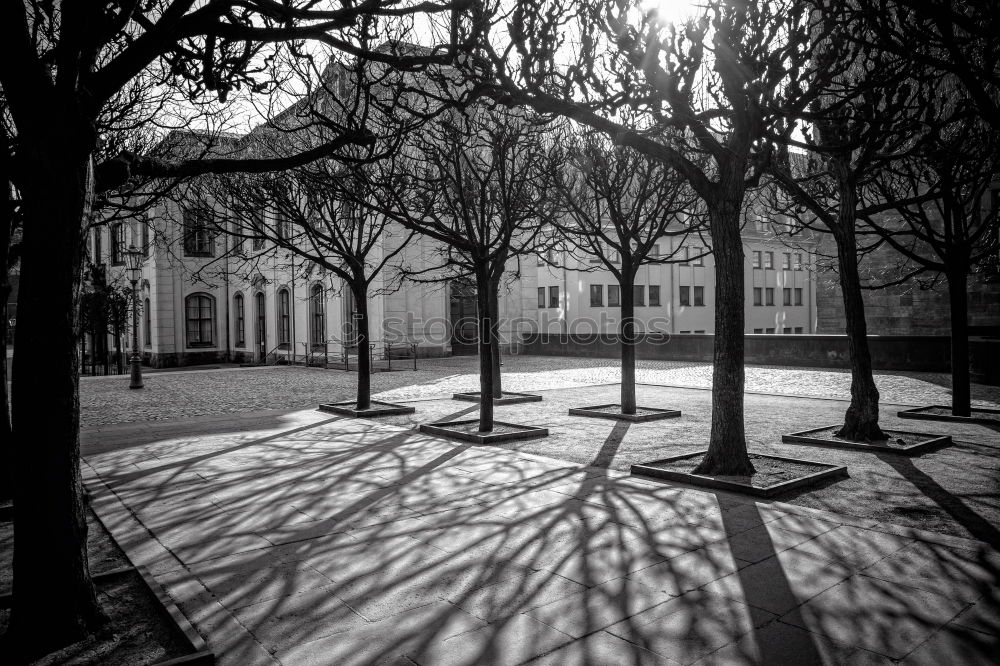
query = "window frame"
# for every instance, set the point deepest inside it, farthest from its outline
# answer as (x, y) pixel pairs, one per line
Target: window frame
(598, 291)
(317, 317)
(768, 296)
(769, 261)
(758, 296)
(554, 291)
(696, 291)
(204, 299)
(638, 295)
(684, 295)
(117, 234)
(654, 302)
(283, 303)
(542, 298)
(147, 323)
(786, 296)
(615, 302)
(798, 296)
(757, 260)
(239, 320)
(198, 239)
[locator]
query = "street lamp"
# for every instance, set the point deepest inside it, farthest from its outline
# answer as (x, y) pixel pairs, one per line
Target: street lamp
(133, 264)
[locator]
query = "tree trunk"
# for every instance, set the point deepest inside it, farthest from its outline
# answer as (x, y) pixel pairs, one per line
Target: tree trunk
(626, 340)
(495, 355)
(486, 342)
(861, 420)
(54, 602)
(961, 393)
(360, 291)
(727, 448)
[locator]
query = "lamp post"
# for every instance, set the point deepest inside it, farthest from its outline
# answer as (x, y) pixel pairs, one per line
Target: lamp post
(133, 264)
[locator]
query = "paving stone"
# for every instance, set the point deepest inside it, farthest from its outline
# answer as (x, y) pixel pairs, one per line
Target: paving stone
(689, 627)
(242, 582)
(600, 649)
(689, 570)
(760, 543)
(956, 645)
(854, 547)
(780, 643)
(511, 640)
(887, 618)
(960, 574)
(983, 615)
(290, 620)
(598, 607)
(781, 582)
(514, 595)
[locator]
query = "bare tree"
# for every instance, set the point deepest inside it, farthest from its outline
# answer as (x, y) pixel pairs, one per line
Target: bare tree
(723, 82)
(616, 204)
(873, 111)
(470, 183)
(62, 63)
(951, 235)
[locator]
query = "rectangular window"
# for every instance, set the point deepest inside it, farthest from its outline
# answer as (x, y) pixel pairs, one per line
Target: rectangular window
(685, 332)
(769, 260)
(786, 296)
(786, 261)
(698, 260)
(798, 295)
(769, 296)
(597, 295)
(553, 297)
(282, 226)
(758, 330)
(684, 297)
(639, 295)
(769, 330)
(541, 297)
(758, 296)
(654, 295)
(98, 250)
(200, 321)
(798, 330)
(756, 258)
(786, 330)
(655, 250)
(798, 261)
(198, 232)
(145, 237)
(614, 296)
(541, 260)
(117, 244)
(699, 296)
(700, 332)
(614, 256)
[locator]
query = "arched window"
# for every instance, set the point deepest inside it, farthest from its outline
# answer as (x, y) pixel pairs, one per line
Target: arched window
(261, 338)
(240, 314)
(147, 324)
(200, 316)
(317, 316)
(284, 317)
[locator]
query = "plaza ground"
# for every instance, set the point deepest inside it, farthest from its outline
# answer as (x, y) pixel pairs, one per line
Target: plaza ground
(290, 536)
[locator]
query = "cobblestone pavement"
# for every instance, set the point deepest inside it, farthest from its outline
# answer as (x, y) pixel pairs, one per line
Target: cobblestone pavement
(174, 395)
(319, 540)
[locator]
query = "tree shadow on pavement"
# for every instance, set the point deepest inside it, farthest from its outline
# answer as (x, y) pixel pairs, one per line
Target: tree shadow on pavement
(351, 543)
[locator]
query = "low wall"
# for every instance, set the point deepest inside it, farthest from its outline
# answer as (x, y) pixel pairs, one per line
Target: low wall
(889, 352)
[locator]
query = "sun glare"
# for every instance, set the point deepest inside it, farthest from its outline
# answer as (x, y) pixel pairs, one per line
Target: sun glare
(674, 11)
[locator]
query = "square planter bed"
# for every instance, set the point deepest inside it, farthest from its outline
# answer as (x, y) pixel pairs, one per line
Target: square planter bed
(775, 474)
(981, 415)
(377, 408)
(468, 431)
(900, 441)
(614, 411)
(508, 397)
(142, 608)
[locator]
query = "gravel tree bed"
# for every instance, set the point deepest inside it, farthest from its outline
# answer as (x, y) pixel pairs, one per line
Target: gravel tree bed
(767, 471)
(137, 633)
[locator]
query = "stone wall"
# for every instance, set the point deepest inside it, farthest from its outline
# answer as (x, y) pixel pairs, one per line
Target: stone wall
(889, 352)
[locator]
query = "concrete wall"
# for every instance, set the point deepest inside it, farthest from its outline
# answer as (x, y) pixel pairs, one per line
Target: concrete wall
(912, 353)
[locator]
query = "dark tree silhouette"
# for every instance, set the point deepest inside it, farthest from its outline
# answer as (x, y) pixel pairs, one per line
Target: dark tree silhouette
(724, 82)
(471, 183)
(953, 234)
(63, 63)
(615, 204)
